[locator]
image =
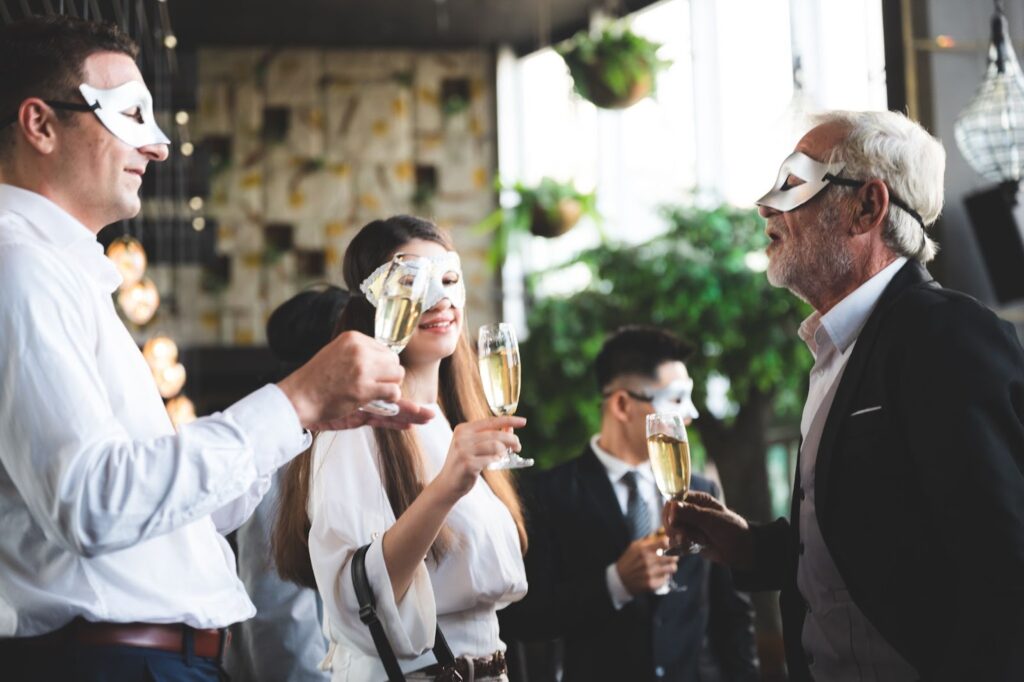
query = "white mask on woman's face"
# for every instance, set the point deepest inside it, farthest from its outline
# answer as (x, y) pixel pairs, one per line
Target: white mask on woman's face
(127, 112)
(446, 281)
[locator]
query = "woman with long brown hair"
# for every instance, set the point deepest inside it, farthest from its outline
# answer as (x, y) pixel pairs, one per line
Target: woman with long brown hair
(446, 534)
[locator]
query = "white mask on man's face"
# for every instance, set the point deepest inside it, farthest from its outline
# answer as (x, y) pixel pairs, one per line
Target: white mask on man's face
(813, 177)
(127, 112)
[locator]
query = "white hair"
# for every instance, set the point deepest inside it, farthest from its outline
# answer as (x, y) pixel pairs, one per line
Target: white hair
(889, 146)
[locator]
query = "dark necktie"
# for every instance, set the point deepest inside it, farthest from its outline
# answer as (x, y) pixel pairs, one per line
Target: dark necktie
(638, 513)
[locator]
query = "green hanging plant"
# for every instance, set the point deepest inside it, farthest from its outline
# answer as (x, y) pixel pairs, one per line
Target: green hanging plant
(613, 68)
(549, 209)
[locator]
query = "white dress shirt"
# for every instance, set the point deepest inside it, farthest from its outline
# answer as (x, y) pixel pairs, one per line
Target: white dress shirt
(841, 643)
(482, 572)
(106, 513)
(648, 490)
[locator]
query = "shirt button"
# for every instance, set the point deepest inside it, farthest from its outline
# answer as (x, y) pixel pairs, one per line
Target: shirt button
(659, 671)
(801, 548)
(810, 658)
(802, 494)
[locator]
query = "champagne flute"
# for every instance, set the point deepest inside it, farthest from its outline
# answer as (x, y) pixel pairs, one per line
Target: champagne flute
(669, 451)
(399, 307)
(498, 357)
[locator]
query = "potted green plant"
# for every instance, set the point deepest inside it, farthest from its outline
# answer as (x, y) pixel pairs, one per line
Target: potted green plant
(548, 209)
(614, 68)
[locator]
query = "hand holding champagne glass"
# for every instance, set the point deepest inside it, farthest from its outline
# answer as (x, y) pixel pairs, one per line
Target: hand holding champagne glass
(399, 307)
(498, 354)
(669, 451)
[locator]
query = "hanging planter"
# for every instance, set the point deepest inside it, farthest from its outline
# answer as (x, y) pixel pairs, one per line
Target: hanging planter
(613, 68)
(550, 209)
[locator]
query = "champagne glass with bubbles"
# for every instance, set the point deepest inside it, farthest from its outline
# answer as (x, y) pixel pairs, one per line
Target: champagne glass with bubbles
(498, 355)
(399, 306)
(669, 451)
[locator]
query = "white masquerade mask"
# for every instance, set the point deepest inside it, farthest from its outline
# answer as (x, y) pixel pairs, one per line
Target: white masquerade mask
(114, 106)
(676, 398)
(443, 267)
(815, 175)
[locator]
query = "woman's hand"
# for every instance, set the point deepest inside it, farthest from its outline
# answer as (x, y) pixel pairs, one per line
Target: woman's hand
(475, 445)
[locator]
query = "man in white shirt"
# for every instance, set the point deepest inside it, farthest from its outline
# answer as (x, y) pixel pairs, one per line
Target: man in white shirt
(112, 561)
(596, 567)
(903, 555)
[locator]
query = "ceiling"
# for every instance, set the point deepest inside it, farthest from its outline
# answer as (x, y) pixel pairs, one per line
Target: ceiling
(421, 24)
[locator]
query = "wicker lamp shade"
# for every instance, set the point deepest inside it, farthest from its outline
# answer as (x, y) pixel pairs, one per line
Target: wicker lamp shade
(990, 130)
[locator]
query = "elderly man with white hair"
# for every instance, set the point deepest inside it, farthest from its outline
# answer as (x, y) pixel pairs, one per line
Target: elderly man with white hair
(903, 557)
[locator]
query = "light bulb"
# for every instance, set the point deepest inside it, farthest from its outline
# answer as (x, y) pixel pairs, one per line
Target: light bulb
(129, 257)
(181, 411)
(170, 380)
(160, 352)
(990, 130)
(139, 301)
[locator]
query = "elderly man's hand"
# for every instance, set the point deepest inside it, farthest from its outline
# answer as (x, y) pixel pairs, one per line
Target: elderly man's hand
(350, 371)
(724, 534)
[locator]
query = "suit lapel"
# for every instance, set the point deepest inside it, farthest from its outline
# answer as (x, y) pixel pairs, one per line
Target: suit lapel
(909, 275)
(599, 495)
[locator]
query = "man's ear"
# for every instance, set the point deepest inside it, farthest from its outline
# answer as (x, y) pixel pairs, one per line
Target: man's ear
(36, 125)
(872, 206)
(617, 405)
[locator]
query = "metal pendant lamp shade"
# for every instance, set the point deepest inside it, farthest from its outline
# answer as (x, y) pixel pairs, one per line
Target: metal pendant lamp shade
(990, 130)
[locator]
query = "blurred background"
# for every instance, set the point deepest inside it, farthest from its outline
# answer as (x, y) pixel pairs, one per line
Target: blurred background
(595, 160)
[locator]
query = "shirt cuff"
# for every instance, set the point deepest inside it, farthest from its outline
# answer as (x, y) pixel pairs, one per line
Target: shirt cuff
(272, 427)
(616, 588)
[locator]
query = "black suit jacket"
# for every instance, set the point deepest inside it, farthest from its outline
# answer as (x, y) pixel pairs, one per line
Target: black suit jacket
(577, 529)
(921, 502)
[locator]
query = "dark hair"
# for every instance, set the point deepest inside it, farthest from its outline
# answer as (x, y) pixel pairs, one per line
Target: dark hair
(45, 57)
(460, 395)
(638, 350)
(303, 324)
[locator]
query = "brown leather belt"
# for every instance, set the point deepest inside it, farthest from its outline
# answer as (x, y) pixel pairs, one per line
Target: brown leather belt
(492, 666)
(172, 638)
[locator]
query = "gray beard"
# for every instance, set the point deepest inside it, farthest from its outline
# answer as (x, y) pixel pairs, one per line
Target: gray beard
(822, 266)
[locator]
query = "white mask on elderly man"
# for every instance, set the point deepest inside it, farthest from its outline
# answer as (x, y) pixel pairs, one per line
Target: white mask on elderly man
(446, 281)
(127, 112)
(812, 177)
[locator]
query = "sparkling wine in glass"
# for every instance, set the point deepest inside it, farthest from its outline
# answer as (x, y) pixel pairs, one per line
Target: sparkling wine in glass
(399, 307)
(498, 354)
(669, 451)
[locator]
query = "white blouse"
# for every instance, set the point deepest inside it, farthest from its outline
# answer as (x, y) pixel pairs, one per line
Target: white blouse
(482, 572)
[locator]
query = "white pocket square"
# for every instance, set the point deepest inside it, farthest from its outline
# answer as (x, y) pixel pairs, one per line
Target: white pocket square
(876, 408)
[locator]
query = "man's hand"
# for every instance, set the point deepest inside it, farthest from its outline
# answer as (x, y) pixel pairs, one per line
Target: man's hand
(643, 567)
(350, 371)
(724, 534)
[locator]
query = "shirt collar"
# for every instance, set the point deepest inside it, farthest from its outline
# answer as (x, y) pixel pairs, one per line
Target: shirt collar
(615, 467)
(842, 324)
(49, 223)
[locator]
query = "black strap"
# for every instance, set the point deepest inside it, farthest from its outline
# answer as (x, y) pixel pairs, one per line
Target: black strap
(56, 104)
(893, 199)
(368, 614)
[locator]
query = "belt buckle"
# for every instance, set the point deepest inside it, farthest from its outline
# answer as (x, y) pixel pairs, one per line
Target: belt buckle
(449, 674)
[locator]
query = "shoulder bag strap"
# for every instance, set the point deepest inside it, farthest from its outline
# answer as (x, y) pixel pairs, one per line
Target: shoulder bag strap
(368, 614)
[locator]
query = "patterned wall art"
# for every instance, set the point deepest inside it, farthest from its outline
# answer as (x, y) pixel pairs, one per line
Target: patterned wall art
(306, 146)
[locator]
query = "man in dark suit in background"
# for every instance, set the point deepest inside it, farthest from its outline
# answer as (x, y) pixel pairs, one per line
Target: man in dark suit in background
(903, 558)
(598, 576)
